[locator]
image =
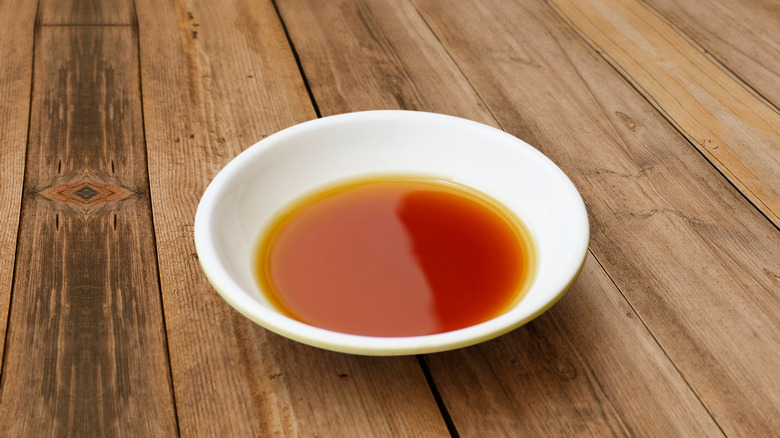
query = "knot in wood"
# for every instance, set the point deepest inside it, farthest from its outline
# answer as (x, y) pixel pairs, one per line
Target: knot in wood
(86, 193)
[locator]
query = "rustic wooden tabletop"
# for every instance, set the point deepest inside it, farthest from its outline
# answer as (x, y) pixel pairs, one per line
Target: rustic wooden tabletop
(115, 115)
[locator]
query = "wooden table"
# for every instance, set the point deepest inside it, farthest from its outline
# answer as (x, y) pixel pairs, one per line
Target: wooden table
(114, 117)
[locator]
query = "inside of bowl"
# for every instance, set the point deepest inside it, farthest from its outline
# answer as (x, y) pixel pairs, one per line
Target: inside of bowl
(294, 162)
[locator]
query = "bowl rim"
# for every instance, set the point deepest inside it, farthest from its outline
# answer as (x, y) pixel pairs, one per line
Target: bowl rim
(241, 300)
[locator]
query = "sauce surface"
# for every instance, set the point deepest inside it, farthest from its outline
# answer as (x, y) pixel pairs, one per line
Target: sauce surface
(395, 257)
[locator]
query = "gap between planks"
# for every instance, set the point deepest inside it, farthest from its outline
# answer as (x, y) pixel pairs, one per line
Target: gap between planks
(455, 63)
(297, 60)
(445, 413)
(166, 344)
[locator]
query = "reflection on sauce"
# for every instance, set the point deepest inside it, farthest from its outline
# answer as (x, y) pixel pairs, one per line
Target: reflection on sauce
(395, 257)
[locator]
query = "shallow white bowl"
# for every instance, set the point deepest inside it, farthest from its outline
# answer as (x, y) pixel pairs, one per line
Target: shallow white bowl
(257, 184)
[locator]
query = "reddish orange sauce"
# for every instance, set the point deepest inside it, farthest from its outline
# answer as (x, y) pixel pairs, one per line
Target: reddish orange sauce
(395, 257)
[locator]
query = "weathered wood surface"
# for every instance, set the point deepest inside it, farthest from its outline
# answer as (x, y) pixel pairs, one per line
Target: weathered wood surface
(86, 350)
(737, 130)
(671, 330)
(17, 20)
(742, 35)
(218, 76)
(690, 254)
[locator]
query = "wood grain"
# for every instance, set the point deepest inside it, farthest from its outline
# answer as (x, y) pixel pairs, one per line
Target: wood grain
(741, 35)
(217, 77)
(692, 257)
(365, 56)
(557, 376)
(86, 351)
(587, 367)
(737, 130)
(17, 20)
(86, 12)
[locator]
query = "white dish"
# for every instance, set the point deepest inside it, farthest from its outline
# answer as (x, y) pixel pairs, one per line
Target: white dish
(248, 193)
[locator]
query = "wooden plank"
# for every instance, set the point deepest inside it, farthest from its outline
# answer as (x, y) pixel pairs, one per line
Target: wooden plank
(217, 77)
(571, 381)
(86, 12)
(86, 348)
(695, 261)
(737, 130)
(17, 20)
(743, 35)
(588, 367)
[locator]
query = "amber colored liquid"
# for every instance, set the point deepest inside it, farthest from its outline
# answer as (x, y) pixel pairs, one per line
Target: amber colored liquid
(395, 257)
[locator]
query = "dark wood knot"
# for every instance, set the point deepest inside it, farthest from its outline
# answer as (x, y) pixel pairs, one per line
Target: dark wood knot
(86, 193)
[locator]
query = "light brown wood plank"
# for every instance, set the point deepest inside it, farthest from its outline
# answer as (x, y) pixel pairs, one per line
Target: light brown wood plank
(570, 380)
(591, 347)
(693, 258)
(86, 12)
(86, 351)
(738, 131)
(217, 77)
(743, 35)
(17, 21)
